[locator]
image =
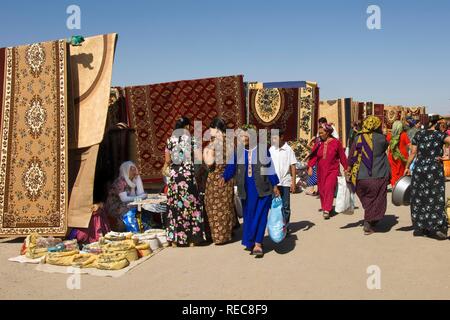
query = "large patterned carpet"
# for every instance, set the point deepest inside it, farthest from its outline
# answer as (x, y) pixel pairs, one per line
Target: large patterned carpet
(154, 109)
(33, 169)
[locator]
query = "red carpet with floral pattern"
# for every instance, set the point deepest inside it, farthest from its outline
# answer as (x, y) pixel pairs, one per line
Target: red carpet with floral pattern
(154, 109)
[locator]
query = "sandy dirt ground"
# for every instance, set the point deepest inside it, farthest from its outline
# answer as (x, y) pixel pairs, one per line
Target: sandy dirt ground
(320, 260)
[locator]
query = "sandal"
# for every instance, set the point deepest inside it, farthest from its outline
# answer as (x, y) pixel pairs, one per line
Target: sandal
(258, 253)
(373, 223)
(440, 235)
(326, 215)
(367, 229)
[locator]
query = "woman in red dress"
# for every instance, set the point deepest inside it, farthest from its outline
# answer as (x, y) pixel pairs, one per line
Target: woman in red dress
(327, 154)
(398, 151)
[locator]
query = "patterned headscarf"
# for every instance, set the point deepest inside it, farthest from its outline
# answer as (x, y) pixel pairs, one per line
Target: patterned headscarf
(327, 127)
(411, 122)
(363, 152)
(397, 129)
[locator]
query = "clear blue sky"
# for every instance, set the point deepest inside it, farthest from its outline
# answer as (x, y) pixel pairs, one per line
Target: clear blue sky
(406, 62)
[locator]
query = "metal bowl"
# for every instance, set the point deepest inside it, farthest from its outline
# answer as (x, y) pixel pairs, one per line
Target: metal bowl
(401, 194)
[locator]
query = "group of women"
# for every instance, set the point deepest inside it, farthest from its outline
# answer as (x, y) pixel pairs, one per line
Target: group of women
(375, 161)
(200, 188)
(190, 215)
(201, 184)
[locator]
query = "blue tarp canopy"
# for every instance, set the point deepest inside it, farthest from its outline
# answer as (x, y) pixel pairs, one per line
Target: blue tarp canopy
(285, 84)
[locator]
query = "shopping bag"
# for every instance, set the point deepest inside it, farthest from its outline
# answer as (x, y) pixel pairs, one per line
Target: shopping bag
(351, 209)
(413, 164)
(344, 200)
(237, 203)
(276, 224)
(131, 222)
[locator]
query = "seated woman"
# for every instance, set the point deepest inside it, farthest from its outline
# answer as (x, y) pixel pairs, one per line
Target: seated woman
(124, 190)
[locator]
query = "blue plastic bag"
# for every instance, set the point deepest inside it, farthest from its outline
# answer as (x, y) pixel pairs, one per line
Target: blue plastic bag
(130, 221)
(276, 224)
(413, 164)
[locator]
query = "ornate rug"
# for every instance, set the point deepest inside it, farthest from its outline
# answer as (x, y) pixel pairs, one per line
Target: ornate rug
(337, 112)
(308, 114)
(368, 109)
(392, 114)
(154, 109)
(414, 112)
(424, 119)
(331, 109)
(378, 110)
(275, 108)
(361, 111)
(291, 106)
(355, 113)
(33, 171)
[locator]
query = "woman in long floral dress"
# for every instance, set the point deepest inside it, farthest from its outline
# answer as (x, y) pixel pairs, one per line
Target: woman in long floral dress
(428, 182)
(219, 200)
(185, 221)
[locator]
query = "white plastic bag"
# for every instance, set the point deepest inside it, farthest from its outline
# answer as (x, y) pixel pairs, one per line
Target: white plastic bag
(237, 203)
(345, 199)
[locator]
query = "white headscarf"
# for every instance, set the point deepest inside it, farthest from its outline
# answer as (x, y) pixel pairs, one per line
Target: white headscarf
(125, 173)
(136, 182)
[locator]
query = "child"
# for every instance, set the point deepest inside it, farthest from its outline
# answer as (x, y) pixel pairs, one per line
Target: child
(256, 182)
(312, 180)
(284, 160)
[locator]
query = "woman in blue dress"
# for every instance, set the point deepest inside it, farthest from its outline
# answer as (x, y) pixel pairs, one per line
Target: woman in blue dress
(257, 184)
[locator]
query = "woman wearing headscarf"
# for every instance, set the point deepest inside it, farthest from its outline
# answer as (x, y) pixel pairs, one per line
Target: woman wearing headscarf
(219, 200)
(369, 171)
(125, 189)
(353, 133)
(398, 151)
(327, 154)
(428, 182)
(413, 127)
(185, 224)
